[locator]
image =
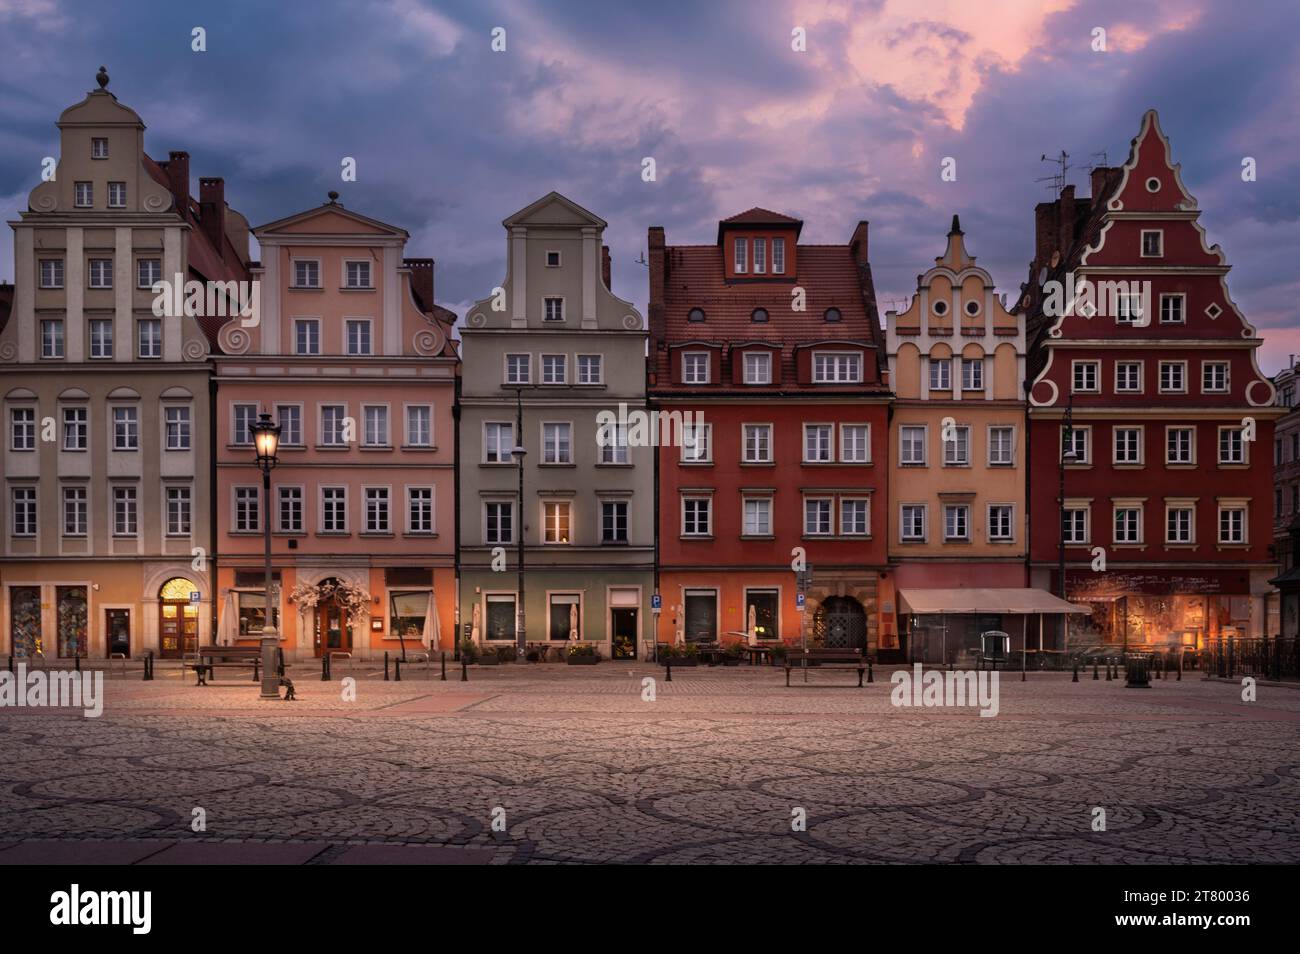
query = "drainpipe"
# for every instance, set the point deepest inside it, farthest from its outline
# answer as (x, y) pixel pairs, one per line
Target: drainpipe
(455, 419)
(212, 501)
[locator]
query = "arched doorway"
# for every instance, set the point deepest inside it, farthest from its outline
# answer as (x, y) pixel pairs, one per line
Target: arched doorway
(178, 619)
(840, 623)
(333, 634)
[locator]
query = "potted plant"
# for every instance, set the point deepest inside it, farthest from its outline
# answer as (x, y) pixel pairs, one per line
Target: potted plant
(469, 650)
(731, 655)
(506, 654)
(581, 654)
(778, 653)
(685, 655)
(488, 656)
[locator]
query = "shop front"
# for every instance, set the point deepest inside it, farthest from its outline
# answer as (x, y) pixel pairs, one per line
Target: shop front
(945, 626)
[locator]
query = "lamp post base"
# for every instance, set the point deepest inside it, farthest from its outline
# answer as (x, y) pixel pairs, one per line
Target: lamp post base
(270, 673)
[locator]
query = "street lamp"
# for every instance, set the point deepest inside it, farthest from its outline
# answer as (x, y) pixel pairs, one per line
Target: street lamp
(266, 438)
(518, 452)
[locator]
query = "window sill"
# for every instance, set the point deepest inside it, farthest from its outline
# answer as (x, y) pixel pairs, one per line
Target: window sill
(758, 536)
(1129, 546)
(377, 447)
(1118, 466)
(357, 288)
(695, 463)
(611, 466)
(420, 535)
(556, 466)
(376, 535)
(310, 288)
(757, 463)
(695, 536)
(418, 448)
(333, 533)
(338, 448)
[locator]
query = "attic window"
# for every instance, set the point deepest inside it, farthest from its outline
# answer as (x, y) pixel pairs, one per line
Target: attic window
(832, 314)
(98, 148)
(695, 314)
(940, 307)
(552, 259)
(759, 315)
(972, 308)
(1153, 184)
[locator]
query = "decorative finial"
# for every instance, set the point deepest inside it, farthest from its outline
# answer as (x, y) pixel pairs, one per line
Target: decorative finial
(334, 197)
(956, 226)
(102, 77)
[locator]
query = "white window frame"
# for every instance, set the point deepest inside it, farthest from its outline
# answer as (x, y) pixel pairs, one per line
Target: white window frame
(55, 277)
(691, 454)
(323, 510)
(407, 410)
(1160, 243)
(955, 445)
(845, 427)
(359, 323)
(565, 429)
(955, 537)
(1234, 506)
(299, 493)
(279, 418)
(386, 418)
(823, 430)
(1011, 445)
(853, 500)
(1090, 364)
(740, 255)
(508, 370)
(759, 441)
(903, 448)
(707, 501)
(1181, 298)
(293, 268)
(504, 455)
(154, 341)
(563, 365)
(488, 538)
(1140, 450)
(1191, 448)
(1124, 506)
(420, 491)
(347, 283)
(1207, 367)
(546, 308)
(1141, 374)
(763, 505)
(585, 359)
(905, 526)
(313, 328)
(546, 506)
(940, 373)
(377, 493)
(760, 363)
(99, 273)
(690, 362)
(1010, 536)
(974, 381)
(1181, 506)
(1182, 365)
(837, 363)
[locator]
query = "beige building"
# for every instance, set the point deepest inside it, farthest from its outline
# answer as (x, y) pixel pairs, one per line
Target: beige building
(105, 531)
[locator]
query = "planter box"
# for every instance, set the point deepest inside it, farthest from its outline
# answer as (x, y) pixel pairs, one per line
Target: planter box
(581, 660)
(681, 661)
(488, 659)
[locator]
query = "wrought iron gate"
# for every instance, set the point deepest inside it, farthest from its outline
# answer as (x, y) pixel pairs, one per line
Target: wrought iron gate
(840, 623)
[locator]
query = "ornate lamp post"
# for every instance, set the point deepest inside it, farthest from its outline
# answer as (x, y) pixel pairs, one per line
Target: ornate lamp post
(266, 438)
(519, 452)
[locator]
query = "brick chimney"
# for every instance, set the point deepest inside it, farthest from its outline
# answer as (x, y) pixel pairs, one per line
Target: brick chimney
(1067, 220)
(421, 281)
(178, 178)
(858, 244)
(212, 213)
(655, 243)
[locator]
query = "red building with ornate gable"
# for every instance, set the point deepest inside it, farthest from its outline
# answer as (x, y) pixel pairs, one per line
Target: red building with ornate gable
(777, 346)
(1155, 410)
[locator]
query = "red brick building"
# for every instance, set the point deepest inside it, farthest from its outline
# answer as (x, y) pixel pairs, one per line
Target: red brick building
(1154, 390)
(777, 347)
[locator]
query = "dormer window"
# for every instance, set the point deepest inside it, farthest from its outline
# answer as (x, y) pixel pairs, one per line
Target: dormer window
(758, 367)
(552, 259)
(760, 256)
(98, 148)
(695, 314)
(695, 367)
(759, 316)
(778, 256)
(832, 314)
(742, 255)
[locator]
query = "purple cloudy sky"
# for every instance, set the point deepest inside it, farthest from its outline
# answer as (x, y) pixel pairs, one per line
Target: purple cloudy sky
(451, 137)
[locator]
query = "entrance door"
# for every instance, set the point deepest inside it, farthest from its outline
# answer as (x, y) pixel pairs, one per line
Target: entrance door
(841, 623)
(178, 619)
(117, 630)
(624, 629)
(332, 634)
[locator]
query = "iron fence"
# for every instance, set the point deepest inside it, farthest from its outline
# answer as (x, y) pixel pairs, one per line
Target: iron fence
(1264, 657)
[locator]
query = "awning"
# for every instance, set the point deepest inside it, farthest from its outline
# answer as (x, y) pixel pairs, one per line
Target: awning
(972, 600)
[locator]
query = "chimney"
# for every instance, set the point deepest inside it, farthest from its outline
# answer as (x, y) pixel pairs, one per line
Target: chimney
(212, 213)
(605, 265)
(421, 281)
(1099, 176)
(1067, 220)
(858, 243)
(655, 243)
(178, 178)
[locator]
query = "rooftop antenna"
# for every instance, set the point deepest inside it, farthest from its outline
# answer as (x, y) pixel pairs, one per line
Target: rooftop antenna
(1105, 162)
(1056, 181)
(641, 260)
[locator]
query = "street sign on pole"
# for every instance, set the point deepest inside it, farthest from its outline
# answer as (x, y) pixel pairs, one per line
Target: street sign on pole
(656, 602)
(799, 600)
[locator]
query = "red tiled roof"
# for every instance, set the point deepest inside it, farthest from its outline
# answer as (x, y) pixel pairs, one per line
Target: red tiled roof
(757, 217)
(694, 278)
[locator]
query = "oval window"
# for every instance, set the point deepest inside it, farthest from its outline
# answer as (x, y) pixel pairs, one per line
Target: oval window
(940, 307)
(1153, 184)
(972, 308)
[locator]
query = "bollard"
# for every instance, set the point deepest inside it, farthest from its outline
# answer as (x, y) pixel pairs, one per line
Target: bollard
(11, 662)
(257, 669)
(464, 669)
(77, 662)
(870, 677)
(1095, 675)
(148, 666)
(385, 666)
(1075, 677)
(325, 668)
(1180, 667)
(397, 669)
(1108, 679)
(668, 672)
(443, 678)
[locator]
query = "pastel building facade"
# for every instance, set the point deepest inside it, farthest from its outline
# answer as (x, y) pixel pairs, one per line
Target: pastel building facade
(358, 365)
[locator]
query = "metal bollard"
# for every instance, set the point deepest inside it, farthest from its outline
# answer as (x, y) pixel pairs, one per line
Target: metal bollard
(148, 666)
(464, 669)
(397, 669)
(1108, 678)
(257, 669)
(1180, 667)
(1075, 678)
(325, 668)
(77, 662)
(11, 662)
(385, 666)
(443, 678)
(668, 672)
(870, 677)
(1095, 674)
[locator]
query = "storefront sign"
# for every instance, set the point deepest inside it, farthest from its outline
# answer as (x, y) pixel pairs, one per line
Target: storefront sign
(1081, 585)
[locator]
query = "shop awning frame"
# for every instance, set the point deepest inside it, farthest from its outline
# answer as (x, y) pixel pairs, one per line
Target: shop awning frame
(1021, 600)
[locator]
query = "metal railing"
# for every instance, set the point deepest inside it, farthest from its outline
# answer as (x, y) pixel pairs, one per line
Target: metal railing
(1264, 657)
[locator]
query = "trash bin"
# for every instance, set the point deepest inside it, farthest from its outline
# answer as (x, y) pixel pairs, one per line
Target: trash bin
(1137, 671)
(995, 646)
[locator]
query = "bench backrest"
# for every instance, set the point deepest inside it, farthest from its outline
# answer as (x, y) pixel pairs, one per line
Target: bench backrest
(827, 655)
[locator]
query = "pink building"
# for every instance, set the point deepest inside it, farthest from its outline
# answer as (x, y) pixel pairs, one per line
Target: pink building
(353, 358)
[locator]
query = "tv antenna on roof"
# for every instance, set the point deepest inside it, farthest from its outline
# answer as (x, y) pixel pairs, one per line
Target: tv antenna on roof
(1056, 181)
(1104, 160)
(641, 260)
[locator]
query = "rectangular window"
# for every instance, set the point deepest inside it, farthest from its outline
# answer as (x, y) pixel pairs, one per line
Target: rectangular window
(376, 510)
(124, 512)
(818, 443)
(1086, 377)
(557, 443)
(358, 336)
(333, 424)
(22, 428)
(419, 425)
(101, 337)
(837, 368)
(241, 428)
(98, 147)
(148, 333)
(1232, 445)
(334, 510)
(24, 511)
(83, 195)
(742, 256)
(613, 444)
(290, 419)
(498, 442)
(956, 452)
(855, 520)
(100, 272)
(695, 368)
(590, 370)
(306, 336)
(760, 256)
(1002, 446)
(696, 446)
(940, 374)
(1173, 377)
(51, 273)
(758, 444)
(1128, 376)
(766, 606)
(248, 513)
(147, 272)
(555, 369)
(697, 516)
(1214, 377)
(1178, 524)
(1171, 309)
(1075, 445)
(911, 450)
(1179, 445)
(613, 521)
(1128, 524)
(1076, 526)
(498, 522)
(1232, 524)
(176, 422)
(74, 511)
(956, 522)
(375, 430)
(552, 259)
(565, 620)
(817, 516)
(1128, 309)
(700, 609)
(500, 613)
(552, 309)
(306, 274)
(76, 435)
(912, 527)
(757, 516)
(555, 522)
(52, 338)
(117, 195)
(778, 256)
(855, 443)
(126, 429)
(419, 510)
(1000, 526)
(1153, 243)
(758, 367)
(290, 509)
(1128, 445)
(357, 275)
(972, 374)
(519, 369)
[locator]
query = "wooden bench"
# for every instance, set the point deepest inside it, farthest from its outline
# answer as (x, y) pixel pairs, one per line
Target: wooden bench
(845, 659)
(212, 658)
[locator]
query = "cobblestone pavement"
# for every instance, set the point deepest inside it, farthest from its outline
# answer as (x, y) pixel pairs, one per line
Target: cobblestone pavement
(587, 770)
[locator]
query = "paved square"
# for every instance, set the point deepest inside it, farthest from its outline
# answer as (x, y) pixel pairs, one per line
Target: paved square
(582, 768)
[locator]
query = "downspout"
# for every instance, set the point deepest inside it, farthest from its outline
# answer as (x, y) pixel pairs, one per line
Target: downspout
(455, 418)
(212, 499)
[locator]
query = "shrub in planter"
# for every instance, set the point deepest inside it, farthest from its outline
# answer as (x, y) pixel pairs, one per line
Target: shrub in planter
(469, 650)
(731, 655)
(506, 654)
(779, 652)
(531, 655)
(581, 654)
